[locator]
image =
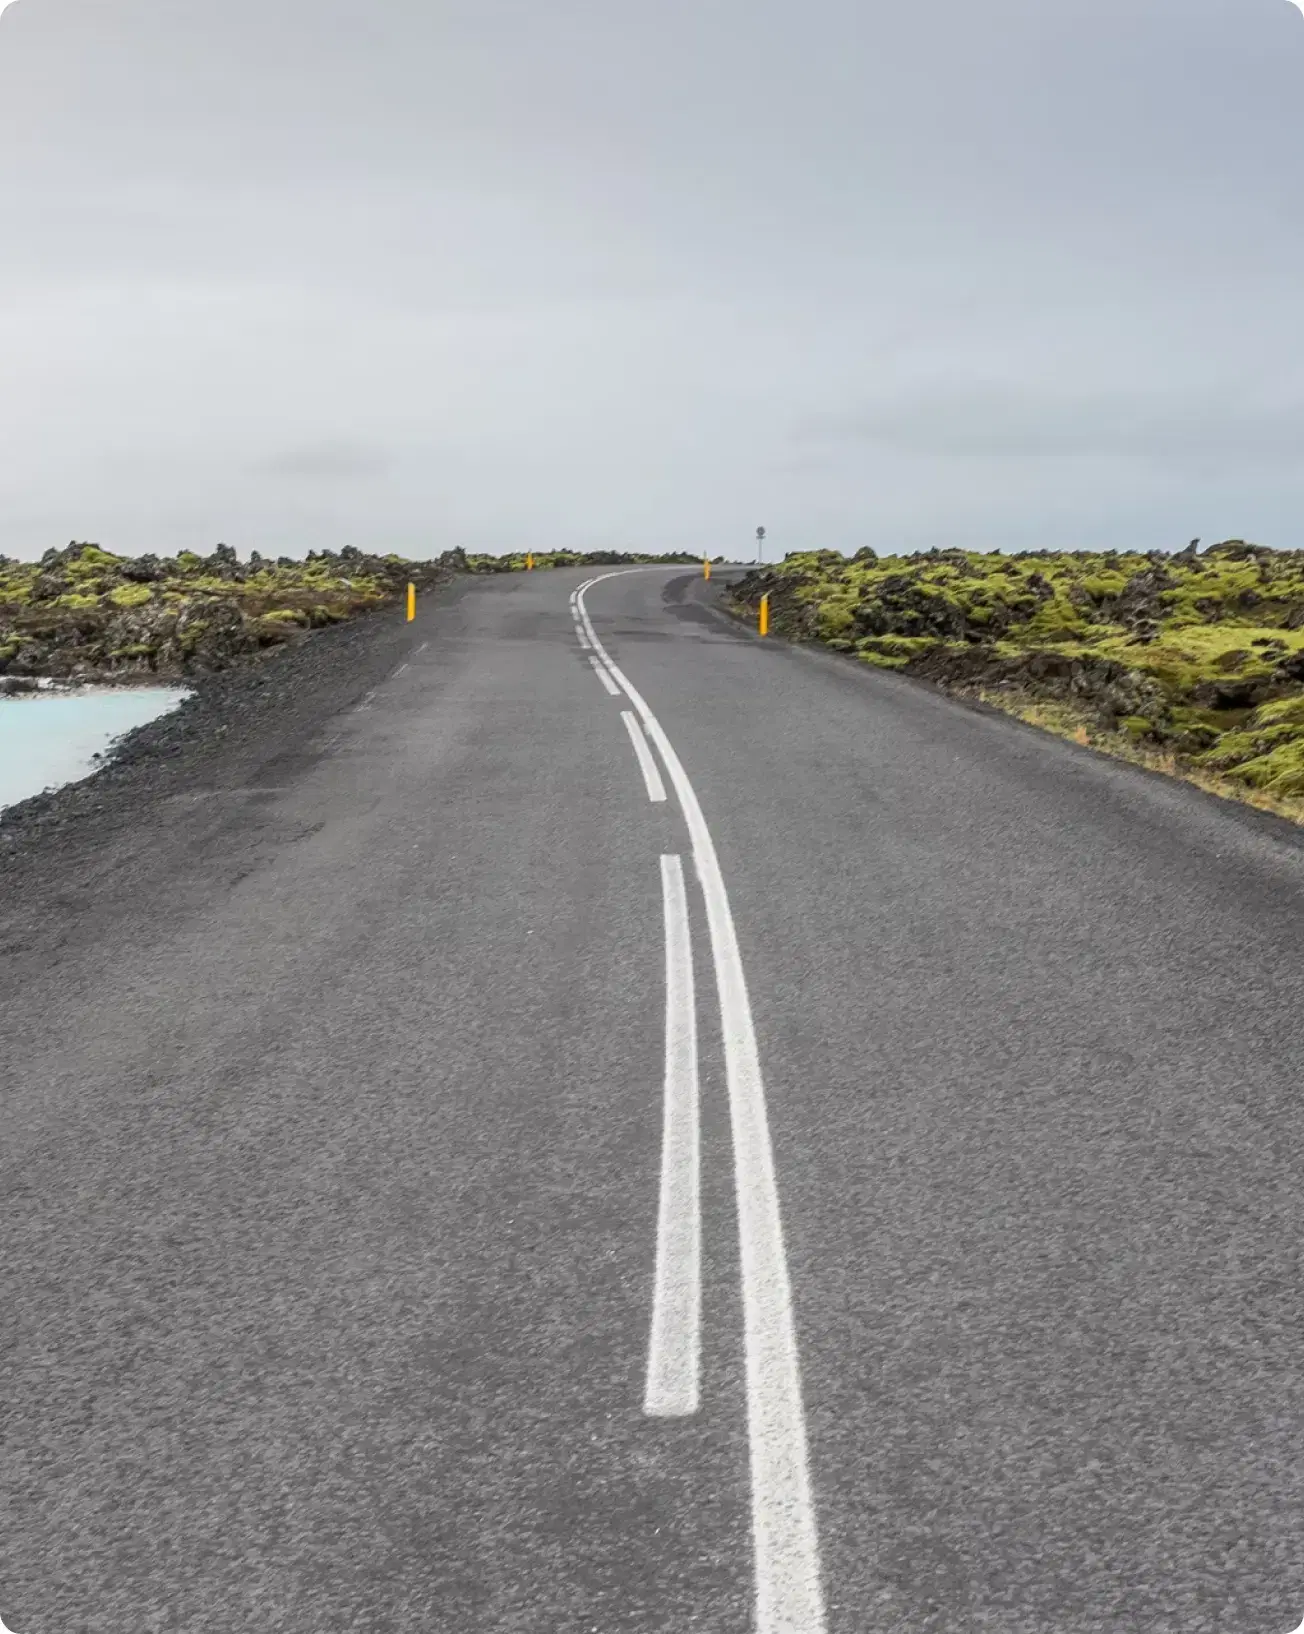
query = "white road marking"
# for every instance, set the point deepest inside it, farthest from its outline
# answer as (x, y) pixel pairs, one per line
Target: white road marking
(789, 1594)
(656, 789)
(674, 1350)
(605, 678)
(401, 668)
(423, 646)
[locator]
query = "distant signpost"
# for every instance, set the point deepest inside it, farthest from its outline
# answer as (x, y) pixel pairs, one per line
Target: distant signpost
(760, 544)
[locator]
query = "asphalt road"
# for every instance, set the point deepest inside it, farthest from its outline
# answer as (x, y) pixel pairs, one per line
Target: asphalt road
(427, 1209)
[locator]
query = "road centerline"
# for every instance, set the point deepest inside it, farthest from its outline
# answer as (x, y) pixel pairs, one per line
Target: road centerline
(602, 674)
(674, 1348)
(656, 789)
(789, 1592)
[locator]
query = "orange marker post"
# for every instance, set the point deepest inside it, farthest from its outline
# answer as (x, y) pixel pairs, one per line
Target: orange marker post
(706, 567)
(763, 623)
(412, 602)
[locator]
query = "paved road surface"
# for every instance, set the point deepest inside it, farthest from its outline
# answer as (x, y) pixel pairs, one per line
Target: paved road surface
(336, 1226)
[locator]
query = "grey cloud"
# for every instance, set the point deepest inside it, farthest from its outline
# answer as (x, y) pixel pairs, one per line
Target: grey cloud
(575, 271)
(1021, 422)
(325, 460)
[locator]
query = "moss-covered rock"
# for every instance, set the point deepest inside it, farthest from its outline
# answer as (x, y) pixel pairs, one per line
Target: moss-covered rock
(1200, 654)
(86, 613)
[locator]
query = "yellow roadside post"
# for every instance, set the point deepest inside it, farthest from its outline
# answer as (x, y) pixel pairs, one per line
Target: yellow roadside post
(529, 561)
(764, 621)
(412, 602)
(706, 567)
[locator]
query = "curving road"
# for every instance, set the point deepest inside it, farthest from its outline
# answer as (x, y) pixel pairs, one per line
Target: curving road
(660, 1131)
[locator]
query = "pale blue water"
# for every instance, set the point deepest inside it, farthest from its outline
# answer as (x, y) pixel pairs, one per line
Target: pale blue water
(48, 741)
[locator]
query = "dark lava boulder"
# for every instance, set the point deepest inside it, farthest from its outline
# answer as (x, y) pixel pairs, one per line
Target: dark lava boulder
(1232, 692)
(1139, 605)
(225, 564)
(143, 570)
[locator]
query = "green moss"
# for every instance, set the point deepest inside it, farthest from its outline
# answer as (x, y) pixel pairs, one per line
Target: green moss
(1280, 771)
(130, 595)
(1099, 586)
(1179, 658)
(1282, 710)
(1058, 620)
(902, 647)
(1156, 640)
(92, 563)
(836, 619)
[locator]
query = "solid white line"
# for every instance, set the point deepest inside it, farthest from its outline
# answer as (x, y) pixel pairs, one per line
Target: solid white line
(583, 640)
(605, 678)
(789, 1595)
(674, 1350)
(656, 789)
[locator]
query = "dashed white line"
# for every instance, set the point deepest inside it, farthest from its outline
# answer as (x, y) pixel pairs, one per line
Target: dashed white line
(789, 1593)
(656, 789)
(602, 675)
(674, 1350)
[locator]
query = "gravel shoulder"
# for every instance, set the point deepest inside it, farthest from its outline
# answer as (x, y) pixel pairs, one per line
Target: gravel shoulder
(167, 817)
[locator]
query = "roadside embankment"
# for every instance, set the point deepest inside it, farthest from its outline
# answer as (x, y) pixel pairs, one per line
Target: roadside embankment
(84, 615)
(1191, 663)
(268, 653)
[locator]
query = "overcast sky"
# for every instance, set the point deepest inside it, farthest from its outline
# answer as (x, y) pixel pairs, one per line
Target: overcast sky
(648, 273)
